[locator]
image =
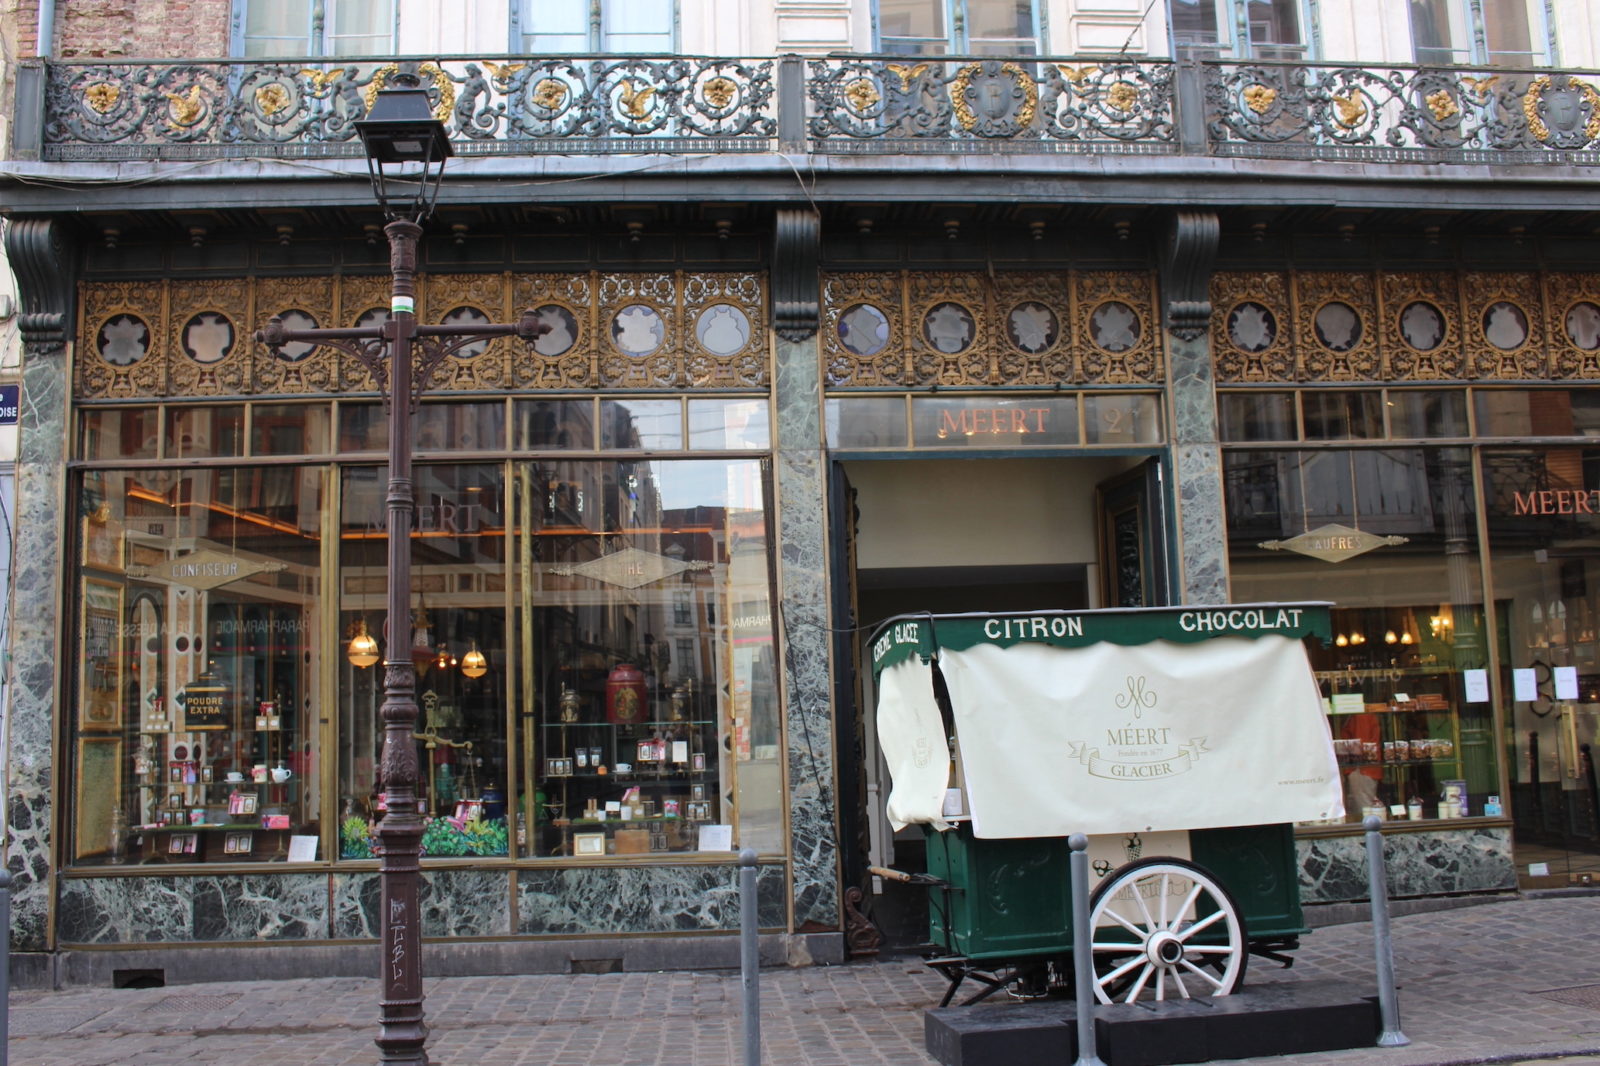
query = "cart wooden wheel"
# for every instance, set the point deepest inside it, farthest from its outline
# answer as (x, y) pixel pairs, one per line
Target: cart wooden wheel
(1163, 928)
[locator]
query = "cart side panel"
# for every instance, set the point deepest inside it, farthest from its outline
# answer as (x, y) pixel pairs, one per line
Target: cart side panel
(1257, 865)
(1010, 898)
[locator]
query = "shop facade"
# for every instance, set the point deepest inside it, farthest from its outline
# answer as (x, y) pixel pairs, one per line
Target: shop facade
(650, 544)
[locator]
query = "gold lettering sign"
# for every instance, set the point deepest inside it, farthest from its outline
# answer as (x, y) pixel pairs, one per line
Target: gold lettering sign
(1332, 543)
(204, 703)
(1556, 501)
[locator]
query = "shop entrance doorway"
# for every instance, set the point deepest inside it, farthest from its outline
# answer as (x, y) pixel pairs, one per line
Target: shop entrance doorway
(956, 535)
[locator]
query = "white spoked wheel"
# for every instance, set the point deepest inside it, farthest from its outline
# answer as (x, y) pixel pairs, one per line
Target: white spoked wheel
(1165, 928)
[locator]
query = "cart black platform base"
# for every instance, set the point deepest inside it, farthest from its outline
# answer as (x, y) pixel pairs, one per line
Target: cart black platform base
(1262, 1019)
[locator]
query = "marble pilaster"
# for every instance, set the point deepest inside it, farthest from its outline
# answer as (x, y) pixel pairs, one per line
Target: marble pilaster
(37, 252)
(1428, 863)
(803, 601)
(456, 902)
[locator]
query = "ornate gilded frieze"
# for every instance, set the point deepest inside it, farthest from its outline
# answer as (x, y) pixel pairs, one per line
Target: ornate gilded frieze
(667, 330)
(301, 368)
(973, 329)
(1420, 328)
(207, 344)
(1502, 316)
(122, 352)
(1405, 327)
(1572, 324)
(1250, 334)
(1334, 326)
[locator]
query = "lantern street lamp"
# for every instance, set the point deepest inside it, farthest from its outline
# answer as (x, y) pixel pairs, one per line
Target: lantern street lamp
(406, 148)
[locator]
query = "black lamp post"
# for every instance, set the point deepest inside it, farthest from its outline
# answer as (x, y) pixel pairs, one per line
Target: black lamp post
(405, 144)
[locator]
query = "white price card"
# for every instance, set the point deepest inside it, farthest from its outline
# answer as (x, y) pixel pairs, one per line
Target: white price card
(1566, 682)
(1524, 687)
(1477, 684)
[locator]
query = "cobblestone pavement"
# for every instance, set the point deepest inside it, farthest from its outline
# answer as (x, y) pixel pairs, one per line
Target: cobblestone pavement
(1505, 982)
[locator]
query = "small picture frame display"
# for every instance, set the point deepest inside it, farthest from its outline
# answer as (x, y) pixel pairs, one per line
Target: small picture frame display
(698, 811)
(697, 792)
(238, 843)
(588, 843)
(697, 761)
(242, 803)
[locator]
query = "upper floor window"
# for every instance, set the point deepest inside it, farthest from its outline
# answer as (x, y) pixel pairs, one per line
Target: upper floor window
(963, 27)
(1271, 29)
(1443, 32)
(315, 27)
(573, 26)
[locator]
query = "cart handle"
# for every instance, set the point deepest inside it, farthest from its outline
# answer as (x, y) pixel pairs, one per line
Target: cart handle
(907, 878)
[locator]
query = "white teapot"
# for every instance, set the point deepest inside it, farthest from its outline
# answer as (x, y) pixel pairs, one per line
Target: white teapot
(281, 773)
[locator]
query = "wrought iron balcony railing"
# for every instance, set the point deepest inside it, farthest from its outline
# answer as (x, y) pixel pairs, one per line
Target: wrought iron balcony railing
(1401, 114)
(599, 104)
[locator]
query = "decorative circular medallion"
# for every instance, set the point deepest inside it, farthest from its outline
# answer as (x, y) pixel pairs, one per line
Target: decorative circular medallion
(1505, 326)
(1422, 326)
(722, 329)
(1114, 327)
(1583, 326)
(1251, 327)
(469, 317)
(948, 327)
(1033, 327)
(1338, 326)
(373, 316)
(208, 337)
(123, 340)
(638, 330)
(295, 351)
(562, 331)
(863, 330)
(180, 643)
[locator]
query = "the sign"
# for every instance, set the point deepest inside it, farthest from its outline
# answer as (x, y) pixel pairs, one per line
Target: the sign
(204, 704)
(210, 569)
(1556, 501)
(1332, 543)
(1056, 735)
(10, 402)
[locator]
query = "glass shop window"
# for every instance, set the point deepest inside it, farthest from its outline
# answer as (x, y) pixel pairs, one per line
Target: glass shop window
(1537, 412)
(120, 433)
(1543, 518)
(650, 720)
(198, 645)
(458, 647)
(556, 27)
(1257, 416)
(1389, 537)
(329, 27)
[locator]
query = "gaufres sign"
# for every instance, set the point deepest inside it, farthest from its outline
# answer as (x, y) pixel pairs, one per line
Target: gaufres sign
(1175, 718)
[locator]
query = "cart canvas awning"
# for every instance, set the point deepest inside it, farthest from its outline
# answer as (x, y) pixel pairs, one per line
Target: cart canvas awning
(1108, 721)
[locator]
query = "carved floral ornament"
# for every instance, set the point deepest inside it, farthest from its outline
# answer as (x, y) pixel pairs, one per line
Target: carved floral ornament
(1259, 98)
(1000, 100)
(672, 330)
(1563, 111)
(429, 72)
(1310, 327)
(102, 96)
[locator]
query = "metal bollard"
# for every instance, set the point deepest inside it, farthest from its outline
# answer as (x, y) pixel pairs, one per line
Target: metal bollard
(1382, 945)
(1082, 948)
(5, 964)
(749, 958)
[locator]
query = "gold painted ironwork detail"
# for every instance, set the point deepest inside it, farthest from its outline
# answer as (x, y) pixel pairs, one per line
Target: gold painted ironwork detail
(1259, 98)
(720, 92)
(1442, 104)
(272, 98)
(1024, 114)
(1339, 348)
(1076, 74)
(430, 72)
(1122, 96)
(102, 96)
(907, 73)
(636, 96)
(1427, 306)
(218, 318)
(1351, 109)
(185, 109)
(976, 329)
(1333, 543)
(550, 93)
(863, 95)
(1535, 95)
(1234, 297)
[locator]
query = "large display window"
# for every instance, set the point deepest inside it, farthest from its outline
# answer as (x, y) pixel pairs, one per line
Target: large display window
(1389, 535)
(195, 701)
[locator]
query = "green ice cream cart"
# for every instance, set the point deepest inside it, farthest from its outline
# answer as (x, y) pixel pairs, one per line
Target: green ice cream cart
(1184, 741)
